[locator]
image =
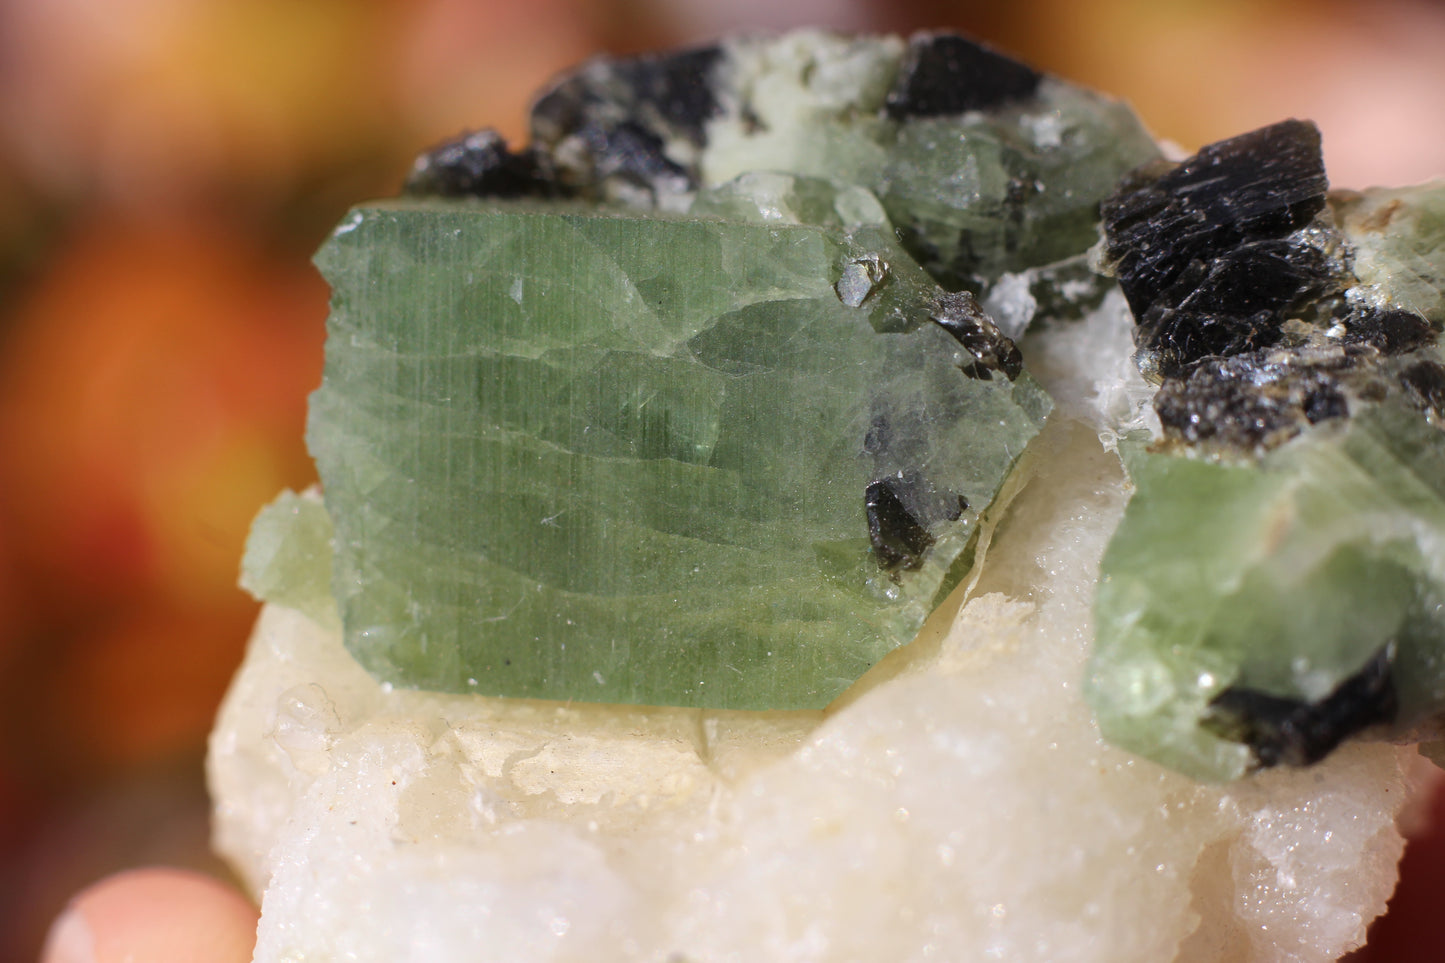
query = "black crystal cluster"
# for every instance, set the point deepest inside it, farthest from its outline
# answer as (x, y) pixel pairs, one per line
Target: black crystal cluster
(632, 128)
(1210, 253)
(1238, 281)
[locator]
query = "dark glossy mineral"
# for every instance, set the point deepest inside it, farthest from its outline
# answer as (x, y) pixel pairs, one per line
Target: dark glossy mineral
(1298, 733)
(946, 75)
(1213, 254)
(480, 164)
(959, 314)
(1238, 277)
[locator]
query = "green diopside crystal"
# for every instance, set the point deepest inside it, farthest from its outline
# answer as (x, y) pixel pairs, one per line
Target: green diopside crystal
(627, 458)
(1282, 580)
(727, 449)
(1277, 582)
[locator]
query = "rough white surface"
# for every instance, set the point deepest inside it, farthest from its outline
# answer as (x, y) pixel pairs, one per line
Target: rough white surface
(957, 805)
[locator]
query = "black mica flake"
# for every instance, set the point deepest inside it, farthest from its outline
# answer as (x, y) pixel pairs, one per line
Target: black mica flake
(1298, 733)
(479, 164)
(945, 75)
(678, 88)
(959, 314)
(1214, 253)
(1390, 332)
(899, 539)
(1261, 185)
(633, 152)
(1258, 400)
(1173, 340)
(673, 91)
(1424, 384)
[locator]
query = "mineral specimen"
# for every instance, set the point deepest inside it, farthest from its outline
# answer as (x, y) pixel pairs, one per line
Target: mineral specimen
(728, 457)
(1276, 582)
(707, 397)
(983, 165)
(965, 809)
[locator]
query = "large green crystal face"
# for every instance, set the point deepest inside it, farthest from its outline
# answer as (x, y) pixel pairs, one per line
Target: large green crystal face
(629, 458)
(670, 407)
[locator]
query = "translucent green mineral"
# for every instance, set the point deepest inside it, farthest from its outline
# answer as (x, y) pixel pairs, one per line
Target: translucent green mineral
(642, 458)
(1253, 615)
(692, 400)
(670, 406)
(1277, 583)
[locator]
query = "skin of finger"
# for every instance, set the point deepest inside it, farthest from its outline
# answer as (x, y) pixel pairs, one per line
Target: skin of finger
(154, 916)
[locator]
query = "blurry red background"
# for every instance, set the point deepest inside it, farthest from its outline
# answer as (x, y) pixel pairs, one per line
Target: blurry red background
(166, 166)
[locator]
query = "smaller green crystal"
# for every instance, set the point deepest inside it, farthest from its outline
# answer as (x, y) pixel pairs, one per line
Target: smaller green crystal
(1277, 582)
(289, 554)
(1286, 579)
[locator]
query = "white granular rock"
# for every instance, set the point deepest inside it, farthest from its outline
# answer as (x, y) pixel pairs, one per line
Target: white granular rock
(957, 805)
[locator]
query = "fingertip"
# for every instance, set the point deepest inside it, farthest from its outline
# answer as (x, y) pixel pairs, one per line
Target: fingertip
(154, 916)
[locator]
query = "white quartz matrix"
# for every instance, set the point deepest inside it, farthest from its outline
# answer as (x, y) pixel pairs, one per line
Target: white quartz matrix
(956, 805)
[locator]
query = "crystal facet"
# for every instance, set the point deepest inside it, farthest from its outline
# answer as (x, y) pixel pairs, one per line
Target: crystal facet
(644, 458)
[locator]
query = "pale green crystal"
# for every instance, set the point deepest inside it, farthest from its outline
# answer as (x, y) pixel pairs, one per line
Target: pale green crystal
(1398, 235)
(973, 195)
(623, 458)
(579, 454)
(288, 556)
(1284, 577)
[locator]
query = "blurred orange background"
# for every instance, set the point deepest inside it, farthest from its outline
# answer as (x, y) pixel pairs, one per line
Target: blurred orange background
(166, 167)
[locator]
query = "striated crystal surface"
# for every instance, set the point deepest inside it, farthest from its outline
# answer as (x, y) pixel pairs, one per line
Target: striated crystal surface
(651, 459)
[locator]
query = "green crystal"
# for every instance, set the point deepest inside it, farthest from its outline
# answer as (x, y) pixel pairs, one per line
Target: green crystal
(623, 458)
(1399, 238)
(974, 195)
(1277, 582)
(715, 451)
(288, 556)
(685, 403)
(1284, 578)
